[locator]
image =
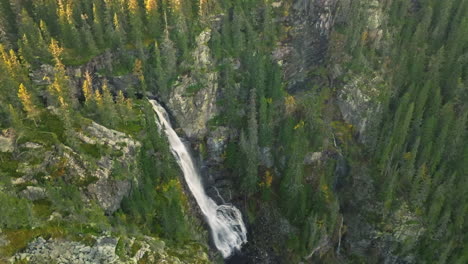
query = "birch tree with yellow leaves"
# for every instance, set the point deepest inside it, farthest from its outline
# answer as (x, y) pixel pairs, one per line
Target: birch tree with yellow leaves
(32, 112)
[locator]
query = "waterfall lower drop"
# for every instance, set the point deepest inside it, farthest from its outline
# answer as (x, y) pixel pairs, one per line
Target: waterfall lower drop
(225, 221)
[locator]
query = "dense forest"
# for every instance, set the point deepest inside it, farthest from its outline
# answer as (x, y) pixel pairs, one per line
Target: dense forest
(81, 156)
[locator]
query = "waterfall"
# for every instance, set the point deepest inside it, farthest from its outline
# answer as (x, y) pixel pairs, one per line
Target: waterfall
(225, 221)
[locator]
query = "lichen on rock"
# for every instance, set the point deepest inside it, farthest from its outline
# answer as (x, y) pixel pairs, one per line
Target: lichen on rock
(193, 100)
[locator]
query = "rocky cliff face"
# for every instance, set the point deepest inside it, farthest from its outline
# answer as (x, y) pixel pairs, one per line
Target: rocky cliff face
(359, 105)
(94, 169)
(305, 48)
(359, 90)
(109, 189)
(193, 99)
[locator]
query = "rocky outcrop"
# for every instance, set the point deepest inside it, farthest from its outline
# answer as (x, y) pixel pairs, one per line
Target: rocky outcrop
(44, 75)
(359, 90)
(305, 47)
(7, 141)
(193, 100)
(313, 157)
(109, 189)
(216, 144)
(59, 251)
(359, 104)
(103, 164)
(107, 249)
(34, 193)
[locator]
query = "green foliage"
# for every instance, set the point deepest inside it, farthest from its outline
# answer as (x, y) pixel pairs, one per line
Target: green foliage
(157, 203)
(16, 212)
(418, 160)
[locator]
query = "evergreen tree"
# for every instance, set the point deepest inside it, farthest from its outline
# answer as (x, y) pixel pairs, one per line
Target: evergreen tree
(152, 18)
(31, 35)
(98, 25)
(160, 75)
(88, 38)
(135, 23)
(250, 149)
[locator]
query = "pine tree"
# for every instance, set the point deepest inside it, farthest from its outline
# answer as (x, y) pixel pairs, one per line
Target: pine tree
(107, 107)
(90, 46)
(168, 59)
(215, 45)
(120, 37)
(15, 118)
(136, 24)
(30, 35)
(69, 32)
(238, 38)
(45, 31)
(292, 191)
(250, 149)
(152, 18)
(98, 25)
(124, 107)
(160, 75)
(17, 72)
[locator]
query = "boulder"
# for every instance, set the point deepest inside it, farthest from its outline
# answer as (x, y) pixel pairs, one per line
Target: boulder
(33, 193)
(7, 141)
(312, 158)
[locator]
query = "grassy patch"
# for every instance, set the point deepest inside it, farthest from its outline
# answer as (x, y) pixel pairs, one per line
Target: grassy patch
(42, 209)
(194, 88)
(19, 239)
(92, 150)
(9, 165)
(131, 128)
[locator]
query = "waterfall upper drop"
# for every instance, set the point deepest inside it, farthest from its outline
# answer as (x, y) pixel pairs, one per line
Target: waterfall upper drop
(225, 221)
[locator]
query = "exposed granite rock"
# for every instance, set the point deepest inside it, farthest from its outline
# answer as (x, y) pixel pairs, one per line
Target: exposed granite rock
(216, 143)
(106, 249)
(312, 158)
(122, 83)
(305, 48)
(108, 190)
(359, 104)
(23, 180)
(105, 179)
(62, 251)
(7, 141)
(98, 134)
(43, 75)
(34, 193)
(193, 100)
(31, 145)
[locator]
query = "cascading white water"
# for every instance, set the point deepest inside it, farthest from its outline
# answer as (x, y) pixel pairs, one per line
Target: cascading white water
(225, 221)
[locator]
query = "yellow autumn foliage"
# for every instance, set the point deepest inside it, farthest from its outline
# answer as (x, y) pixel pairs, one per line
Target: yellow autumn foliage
(27, 102)
(88, 87)
(290, 104)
